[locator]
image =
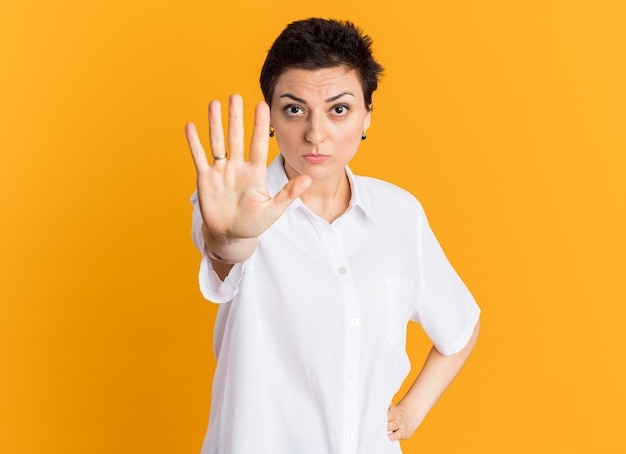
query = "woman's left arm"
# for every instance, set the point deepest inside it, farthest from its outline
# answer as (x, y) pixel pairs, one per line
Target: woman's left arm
(436, 375)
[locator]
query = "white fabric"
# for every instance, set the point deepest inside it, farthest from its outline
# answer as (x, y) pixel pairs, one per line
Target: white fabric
(310, 335)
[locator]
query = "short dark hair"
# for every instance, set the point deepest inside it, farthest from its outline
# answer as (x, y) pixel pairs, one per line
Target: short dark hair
(321, 43)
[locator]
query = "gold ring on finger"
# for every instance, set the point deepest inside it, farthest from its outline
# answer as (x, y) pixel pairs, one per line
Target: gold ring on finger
(219, 157)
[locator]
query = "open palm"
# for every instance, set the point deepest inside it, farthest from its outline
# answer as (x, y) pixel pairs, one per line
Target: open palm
(232, 193)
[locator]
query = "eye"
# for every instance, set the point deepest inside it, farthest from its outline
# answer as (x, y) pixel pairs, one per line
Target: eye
(293, 110)
(340, 110)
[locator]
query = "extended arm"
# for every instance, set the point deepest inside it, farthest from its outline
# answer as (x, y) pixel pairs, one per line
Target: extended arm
(436, 375)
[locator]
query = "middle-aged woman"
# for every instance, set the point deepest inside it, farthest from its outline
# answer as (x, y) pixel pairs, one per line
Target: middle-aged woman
(317, 270)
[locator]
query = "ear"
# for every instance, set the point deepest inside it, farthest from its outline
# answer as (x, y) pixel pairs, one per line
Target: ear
(368, 117)
(367, 121)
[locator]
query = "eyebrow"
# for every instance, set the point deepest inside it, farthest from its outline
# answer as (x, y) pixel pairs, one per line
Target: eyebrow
(331, 99)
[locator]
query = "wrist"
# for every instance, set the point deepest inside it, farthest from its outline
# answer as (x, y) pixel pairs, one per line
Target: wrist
(228, 250)
(414, 412)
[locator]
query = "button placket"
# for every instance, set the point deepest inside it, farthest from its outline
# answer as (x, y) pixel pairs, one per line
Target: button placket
(352, 336)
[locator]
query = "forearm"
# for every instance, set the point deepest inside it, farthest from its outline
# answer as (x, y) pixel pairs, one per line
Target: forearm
(436, 375)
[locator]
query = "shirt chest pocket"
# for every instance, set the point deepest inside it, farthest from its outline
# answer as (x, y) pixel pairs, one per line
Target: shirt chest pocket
(399, 293)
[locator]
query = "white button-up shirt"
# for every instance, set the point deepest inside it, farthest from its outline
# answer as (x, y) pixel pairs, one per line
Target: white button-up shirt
(310, 335)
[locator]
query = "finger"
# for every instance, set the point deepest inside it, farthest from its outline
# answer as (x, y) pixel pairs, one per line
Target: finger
(235, 127)
(291, 191)
(392, 421)
(397, 435)
(260, 143)
(216, 131)
(197, 151)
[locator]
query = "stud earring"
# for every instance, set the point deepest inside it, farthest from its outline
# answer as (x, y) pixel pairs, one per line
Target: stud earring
(363, 136)
(272, 132)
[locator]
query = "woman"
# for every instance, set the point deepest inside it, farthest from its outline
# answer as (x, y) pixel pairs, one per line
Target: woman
(317, 270)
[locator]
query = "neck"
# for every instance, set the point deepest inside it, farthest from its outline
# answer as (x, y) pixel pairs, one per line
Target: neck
(328, 201)
(328, 198)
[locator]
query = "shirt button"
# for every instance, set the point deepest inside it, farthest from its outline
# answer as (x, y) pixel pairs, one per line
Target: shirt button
(355, 322)
(351, 378)
(350, 434)
(342, 270)
(337, 224)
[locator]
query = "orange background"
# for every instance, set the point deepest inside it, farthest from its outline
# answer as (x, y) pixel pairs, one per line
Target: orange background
(506, 119)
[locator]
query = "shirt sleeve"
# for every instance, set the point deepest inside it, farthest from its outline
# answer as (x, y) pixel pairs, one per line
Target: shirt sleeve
(211, 286)
(446, 309)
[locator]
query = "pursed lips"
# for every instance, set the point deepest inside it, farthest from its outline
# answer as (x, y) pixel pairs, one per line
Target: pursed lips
(316, 158)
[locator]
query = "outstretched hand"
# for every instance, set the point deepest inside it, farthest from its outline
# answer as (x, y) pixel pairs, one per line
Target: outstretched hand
(233, 197)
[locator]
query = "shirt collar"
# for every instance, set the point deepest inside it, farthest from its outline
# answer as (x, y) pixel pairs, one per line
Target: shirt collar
(360, 200)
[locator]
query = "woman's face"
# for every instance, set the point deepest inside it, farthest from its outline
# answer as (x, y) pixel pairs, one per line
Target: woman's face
(319, 117)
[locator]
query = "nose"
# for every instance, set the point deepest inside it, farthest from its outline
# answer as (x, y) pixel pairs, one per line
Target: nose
(315, 130)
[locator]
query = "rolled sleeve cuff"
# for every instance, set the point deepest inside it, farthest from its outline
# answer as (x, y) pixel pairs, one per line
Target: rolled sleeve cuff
(213, 288)
(463, 339)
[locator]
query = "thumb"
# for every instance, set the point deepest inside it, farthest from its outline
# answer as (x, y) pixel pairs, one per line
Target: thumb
(290, 192)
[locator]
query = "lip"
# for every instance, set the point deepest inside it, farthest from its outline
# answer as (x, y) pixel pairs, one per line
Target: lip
(316, 158)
